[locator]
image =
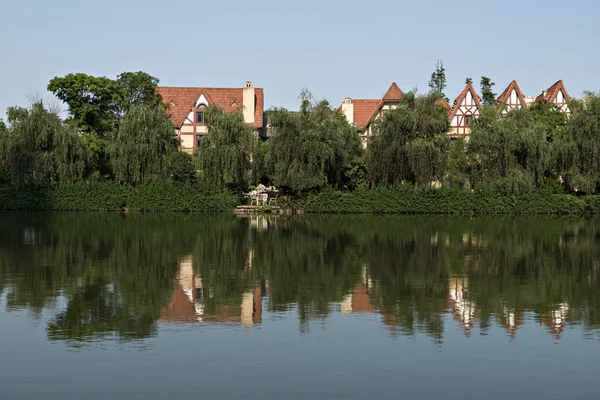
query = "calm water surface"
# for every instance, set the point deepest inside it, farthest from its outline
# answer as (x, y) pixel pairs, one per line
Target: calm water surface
(162, 306)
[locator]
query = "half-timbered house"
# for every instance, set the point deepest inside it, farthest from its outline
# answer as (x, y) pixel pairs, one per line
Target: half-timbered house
(188, 104)
(511, 99)
(556, 94)
(361, 113)
(466, 107)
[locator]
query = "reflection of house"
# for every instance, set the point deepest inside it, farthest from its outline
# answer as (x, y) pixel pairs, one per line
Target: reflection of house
(556, 319)
(358, 300)
(512, 321)
(188, 104)
(187, 302)
(464, 310)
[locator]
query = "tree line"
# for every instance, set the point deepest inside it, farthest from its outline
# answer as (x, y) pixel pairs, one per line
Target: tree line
(120, 130)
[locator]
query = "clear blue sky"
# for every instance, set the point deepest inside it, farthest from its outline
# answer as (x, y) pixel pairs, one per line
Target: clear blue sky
(334, 48)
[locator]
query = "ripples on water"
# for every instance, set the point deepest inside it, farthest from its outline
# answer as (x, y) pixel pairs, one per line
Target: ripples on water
(102, 277)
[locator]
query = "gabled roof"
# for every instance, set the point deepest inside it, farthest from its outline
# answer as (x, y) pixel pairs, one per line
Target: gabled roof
(393, 94)
(443, 103)
(549, 95)
(364, 111)
(505, 96)
(457, 102)
(183, 99)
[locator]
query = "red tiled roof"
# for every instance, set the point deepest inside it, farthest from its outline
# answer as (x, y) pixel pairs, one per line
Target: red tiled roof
(364, 111)
(183, 99)
(394, 93)
(505, 96)
(461, 97)
(552, 92)
(443, 103)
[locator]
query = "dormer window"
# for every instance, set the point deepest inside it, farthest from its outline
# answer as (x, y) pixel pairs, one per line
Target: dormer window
(200, 114)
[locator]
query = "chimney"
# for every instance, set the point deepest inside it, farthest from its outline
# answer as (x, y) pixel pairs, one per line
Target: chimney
(249, 103)
(348, 110)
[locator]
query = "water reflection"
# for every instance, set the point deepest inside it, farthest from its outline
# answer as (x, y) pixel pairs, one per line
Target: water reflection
(117, 276)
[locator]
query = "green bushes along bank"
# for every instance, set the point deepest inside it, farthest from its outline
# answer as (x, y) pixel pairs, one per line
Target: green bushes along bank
(113, 196)
(446, 201)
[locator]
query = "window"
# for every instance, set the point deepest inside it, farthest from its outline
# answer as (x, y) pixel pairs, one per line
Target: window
(200, 114)
(199, 140)
(468, 120)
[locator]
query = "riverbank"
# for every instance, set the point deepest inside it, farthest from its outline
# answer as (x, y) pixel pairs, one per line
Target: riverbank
(110, 196)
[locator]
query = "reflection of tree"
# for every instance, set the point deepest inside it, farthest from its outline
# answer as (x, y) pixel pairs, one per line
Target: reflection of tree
(119, 273)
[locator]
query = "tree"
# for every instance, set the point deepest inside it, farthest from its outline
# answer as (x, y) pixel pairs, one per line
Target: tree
(576, 155)
(437, 83)
(508, 154)
(181, 167)
(312, 148)
(39, 148)
(408, 142)
(225, 153)
(97, 104)
(487, 94)
(142, 145)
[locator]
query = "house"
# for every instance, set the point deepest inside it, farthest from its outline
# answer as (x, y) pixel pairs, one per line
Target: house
(187, 106)
(556, 94)
(466, 107)
(362, 112)
(511, 99)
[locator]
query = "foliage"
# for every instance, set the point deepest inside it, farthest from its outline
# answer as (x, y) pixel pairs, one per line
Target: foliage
(225, 153)
(39, 148)
(578, 146)
(437, 83)
(404, 200)
(508, 154)
(487, 94)
(181, 167)
(312, 148)
(97, 104)
(550, 116)
(142, 145)
(112, 196)
(457, 165)
(408, 144)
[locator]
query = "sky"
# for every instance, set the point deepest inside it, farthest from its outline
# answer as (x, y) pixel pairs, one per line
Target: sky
(335, 49)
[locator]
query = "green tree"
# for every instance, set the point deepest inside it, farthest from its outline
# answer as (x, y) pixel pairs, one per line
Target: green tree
(97, 104)
(39, 148)
(181, 167)
(577, 146)
(487, 93)
(508, 154)
(408, 142)
(142, 145)
(225, 153)
(437, 83)
(312, 148)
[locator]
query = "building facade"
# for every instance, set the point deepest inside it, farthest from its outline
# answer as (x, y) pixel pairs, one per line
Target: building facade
(187, 106)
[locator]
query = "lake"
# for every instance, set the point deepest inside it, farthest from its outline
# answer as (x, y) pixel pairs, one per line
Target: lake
(179, 306)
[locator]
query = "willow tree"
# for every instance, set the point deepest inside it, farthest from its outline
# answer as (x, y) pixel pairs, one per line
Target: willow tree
(225, 154)
(576, 154)
(39, 148)
(312, 148)
(509, 153)
(139, 152)
(408, 144)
